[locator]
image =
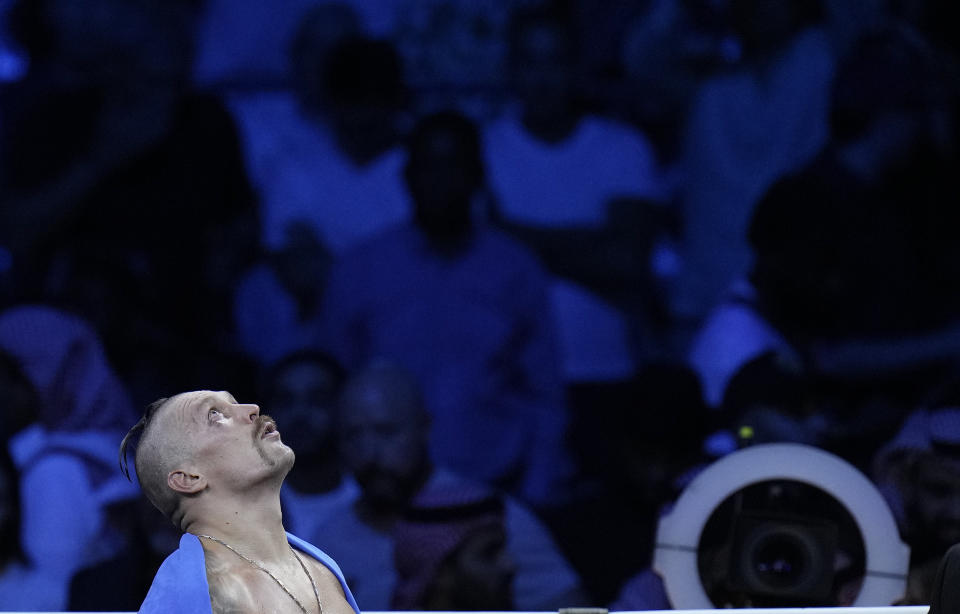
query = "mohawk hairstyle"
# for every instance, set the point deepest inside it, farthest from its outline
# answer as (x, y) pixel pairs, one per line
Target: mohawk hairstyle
(136, 432)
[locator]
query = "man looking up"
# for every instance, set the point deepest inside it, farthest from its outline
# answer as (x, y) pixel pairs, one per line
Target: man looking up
(214, 467)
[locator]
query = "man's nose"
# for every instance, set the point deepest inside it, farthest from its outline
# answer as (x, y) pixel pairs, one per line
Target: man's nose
(249, 411)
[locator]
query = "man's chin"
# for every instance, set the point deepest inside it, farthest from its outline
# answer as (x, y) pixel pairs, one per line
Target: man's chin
(285, 463)
(277, 453)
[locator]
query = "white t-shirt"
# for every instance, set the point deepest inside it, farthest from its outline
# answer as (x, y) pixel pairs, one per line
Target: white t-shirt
(569, 184)
(302, 175)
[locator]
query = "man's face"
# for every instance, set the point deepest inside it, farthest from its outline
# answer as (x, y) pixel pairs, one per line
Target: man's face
(383, 446)
(938, 499)
(231, 444)
(304, 398)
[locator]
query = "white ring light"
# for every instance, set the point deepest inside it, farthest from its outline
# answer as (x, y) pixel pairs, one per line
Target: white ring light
(678, 533)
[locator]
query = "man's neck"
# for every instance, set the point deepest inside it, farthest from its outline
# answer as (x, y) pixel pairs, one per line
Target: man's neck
(254, 527)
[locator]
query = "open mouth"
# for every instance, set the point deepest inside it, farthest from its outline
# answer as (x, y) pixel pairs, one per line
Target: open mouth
(270, 431)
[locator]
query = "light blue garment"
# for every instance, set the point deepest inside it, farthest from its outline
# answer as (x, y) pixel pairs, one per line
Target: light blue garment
(180, 585)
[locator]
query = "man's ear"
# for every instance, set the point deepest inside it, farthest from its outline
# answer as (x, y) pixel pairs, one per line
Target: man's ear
(186, 482)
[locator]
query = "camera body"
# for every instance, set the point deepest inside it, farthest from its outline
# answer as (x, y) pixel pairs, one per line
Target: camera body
(780, 525)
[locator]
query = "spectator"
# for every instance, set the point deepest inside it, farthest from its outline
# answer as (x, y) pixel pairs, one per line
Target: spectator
(462, 307)
(874, 201)
(746, 129)
(327, 156)
(667, 49)
(301, 391)
(384, 429)
(276, 300)
(773, 396)
(455, 51)
(838, 243)
(919, 472)
(324, 160)
(244, 43)
(22, 585)
(450, 553)
(550, 165)
(66, 455)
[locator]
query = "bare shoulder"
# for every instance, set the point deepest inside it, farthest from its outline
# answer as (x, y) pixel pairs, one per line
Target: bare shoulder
(229, 586)
(328, 585)
(229, 595)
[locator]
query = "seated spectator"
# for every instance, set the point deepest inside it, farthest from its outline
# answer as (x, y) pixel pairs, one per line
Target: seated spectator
(773, 397)
(777, 399)
(276, 300)
(919, 474)
(66, 453)
(326, 162)
(944, 597)
(245, 42)
(23, 585)
(553, 166)
(746, 128)
(667, 48)
(462, 307)
(450, 553)
(301, 391)
(384, 438)
(327, 155)
(838, 243)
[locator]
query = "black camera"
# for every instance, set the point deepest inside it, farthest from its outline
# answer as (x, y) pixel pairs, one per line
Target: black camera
(777, 543)
(780, 525)
(782, 557)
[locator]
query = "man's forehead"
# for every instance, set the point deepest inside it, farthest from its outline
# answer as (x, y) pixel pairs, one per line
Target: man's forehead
(188, 401)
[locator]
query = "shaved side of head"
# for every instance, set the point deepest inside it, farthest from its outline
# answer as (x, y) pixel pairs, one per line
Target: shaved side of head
(158, 452)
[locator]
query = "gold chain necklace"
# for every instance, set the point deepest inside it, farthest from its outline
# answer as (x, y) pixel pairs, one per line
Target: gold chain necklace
(313, 584)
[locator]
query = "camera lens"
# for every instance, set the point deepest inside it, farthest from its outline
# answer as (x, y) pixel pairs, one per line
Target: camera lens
(780, 560)
(775, 544)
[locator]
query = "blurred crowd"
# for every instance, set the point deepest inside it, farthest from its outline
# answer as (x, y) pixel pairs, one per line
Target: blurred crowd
(507, 274)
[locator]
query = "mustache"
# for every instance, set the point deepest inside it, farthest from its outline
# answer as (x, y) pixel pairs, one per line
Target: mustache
(260, 425)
